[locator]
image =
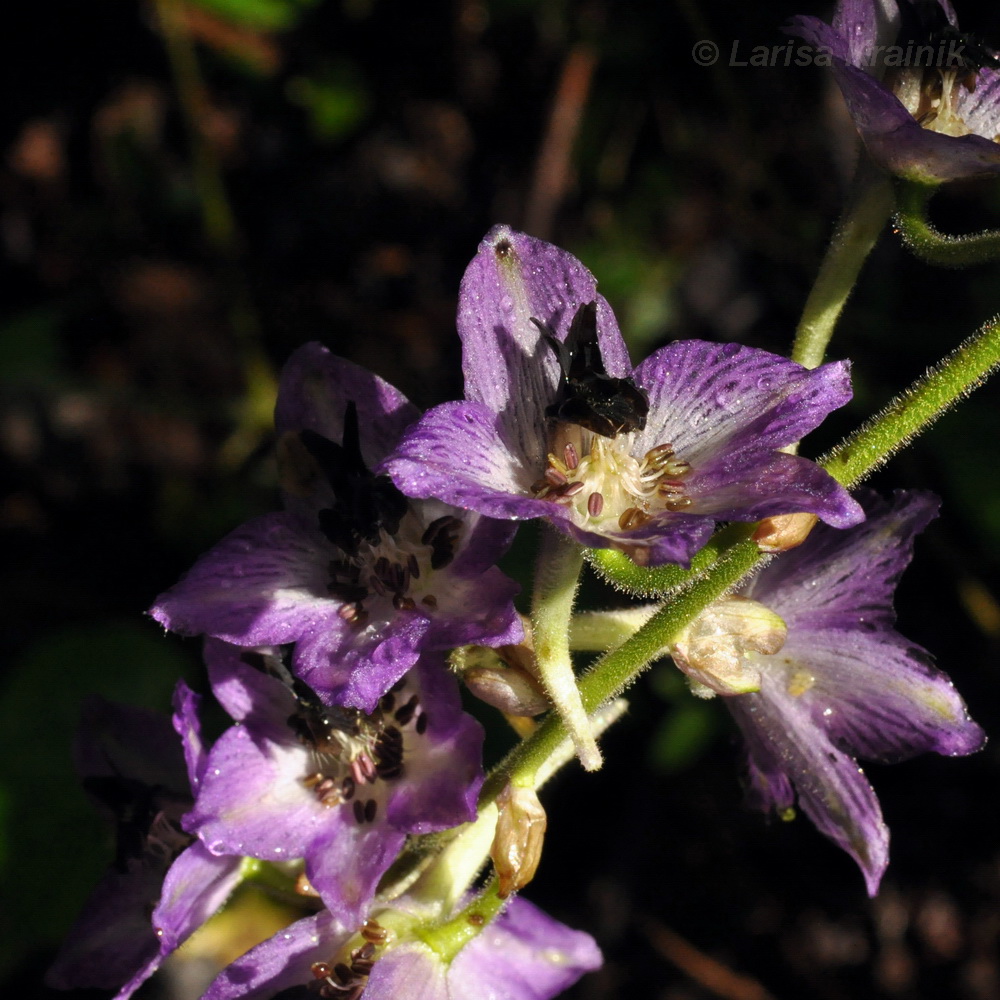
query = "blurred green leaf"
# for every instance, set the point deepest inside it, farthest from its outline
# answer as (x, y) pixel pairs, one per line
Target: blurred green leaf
(259, 15)
(336, 102)
(685, 734)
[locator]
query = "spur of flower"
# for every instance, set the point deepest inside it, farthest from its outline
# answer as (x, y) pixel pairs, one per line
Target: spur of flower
(924, 97)
(359, 577)
(164, 883)
(295, 778)
(522, 955)
(828, 678)
(557, 424)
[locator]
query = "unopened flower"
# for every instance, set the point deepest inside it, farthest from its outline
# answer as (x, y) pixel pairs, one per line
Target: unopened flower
(845, 684)
(924, 97)
(522, 955)
(360, 578)
(335, 786)
(557, 424)
(164, 883)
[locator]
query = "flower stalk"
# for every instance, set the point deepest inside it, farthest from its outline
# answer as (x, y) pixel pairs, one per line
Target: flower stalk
(931, 245)
(856, 233)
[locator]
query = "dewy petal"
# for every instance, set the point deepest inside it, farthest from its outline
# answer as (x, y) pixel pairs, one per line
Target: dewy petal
(260, 586)
(280, 962)
(725, 409)
(878, 696)
(459, 453)
(509, 367)
(188, 727)
(782, 736)
(818, 585)
(523, 954)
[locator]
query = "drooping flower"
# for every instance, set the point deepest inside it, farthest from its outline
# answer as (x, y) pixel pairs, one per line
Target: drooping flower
(339, 788)
(358, 577)
(845, 684)
(924, 97)
(557, 424)
(164, 884)
(522, 955)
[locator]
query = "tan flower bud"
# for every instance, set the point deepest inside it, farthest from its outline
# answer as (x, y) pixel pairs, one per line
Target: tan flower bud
(779, 534)
(509, 690)
(713, 650)
(517, 843)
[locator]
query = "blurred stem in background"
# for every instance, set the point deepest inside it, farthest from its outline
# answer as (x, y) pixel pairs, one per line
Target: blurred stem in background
(253, 415)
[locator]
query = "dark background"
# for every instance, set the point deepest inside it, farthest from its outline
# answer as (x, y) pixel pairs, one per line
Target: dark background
(351, 156)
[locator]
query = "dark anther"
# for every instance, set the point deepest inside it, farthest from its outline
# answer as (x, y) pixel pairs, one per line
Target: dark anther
(588, 395)
(421, 723)
(406, 712)
(442, 536)
(315, 723)
(359, 810)
(347, 787)
(371, 807)
(364, 504)
(388, 702)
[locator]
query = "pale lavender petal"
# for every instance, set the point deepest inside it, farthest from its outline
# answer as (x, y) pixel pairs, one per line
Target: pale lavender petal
(412, 970)
(782, 735)
(523, 954)
(513, 280)
(345, 862)
(878, 696)
(245, 690)
(474, 610)
(188, 727)
(819, 34)
(980, 108)
(196, 887)
(459, 453)
(259, 586)
(253, 802)
(316, 387)
(280, 962)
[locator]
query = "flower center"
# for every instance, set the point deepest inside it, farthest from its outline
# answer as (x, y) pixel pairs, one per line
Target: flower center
(600, 479)
(352, 754)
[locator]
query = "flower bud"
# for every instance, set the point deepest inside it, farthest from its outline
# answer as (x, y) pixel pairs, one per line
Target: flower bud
(504, 678)
(517, 844)
(784, 532)
(713, 650)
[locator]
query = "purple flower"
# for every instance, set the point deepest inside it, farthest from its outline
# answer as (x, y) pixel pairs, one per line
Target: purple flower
(522, 955)
(342, 789)
(924, 97)
(557, 424)
(358, 577)
(134, 764)
(846, 684)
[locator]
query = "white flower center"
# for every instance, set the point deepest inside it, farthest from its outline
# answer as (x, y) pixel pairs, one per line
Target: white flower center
(601, 481)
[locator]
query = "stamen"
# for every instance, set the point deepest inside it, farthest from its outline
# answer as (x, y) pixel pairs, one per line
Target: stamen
(595, 504)
(347, 787)
(371, 807)
(555, 477)
(374, 932)
(404, 714)
(570, 456)
(359, 811)
(430, 600)
(421, 726)
(571, 489)
(401, 603)
(632, 517)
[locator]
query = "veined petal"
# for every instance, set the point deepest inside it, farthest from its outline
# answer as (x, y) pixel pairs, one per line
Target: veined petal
(259, 586)
(819, 586)
(782, 736)
(513, 280)
(187, 725)
(705, 398)
(878, 696)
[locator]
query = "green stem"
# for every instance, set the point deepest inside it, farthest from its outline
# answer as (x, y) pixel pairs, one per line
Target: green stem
(933, 246)
(557, 576)
(449, 938)
(857, 232)
(914, 410)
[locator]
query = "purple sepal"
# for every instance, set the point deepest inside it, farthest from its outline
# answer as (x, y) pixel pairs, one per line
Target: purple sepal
(846, 685)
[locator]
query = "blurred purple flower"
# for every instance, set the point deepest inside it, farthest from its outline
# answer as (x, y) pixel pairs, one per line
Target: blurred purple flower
(846, 684)
(924, 97)
(557, 424)
(296, 779)
(522, 955)
(359, 578)
(134, 764)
